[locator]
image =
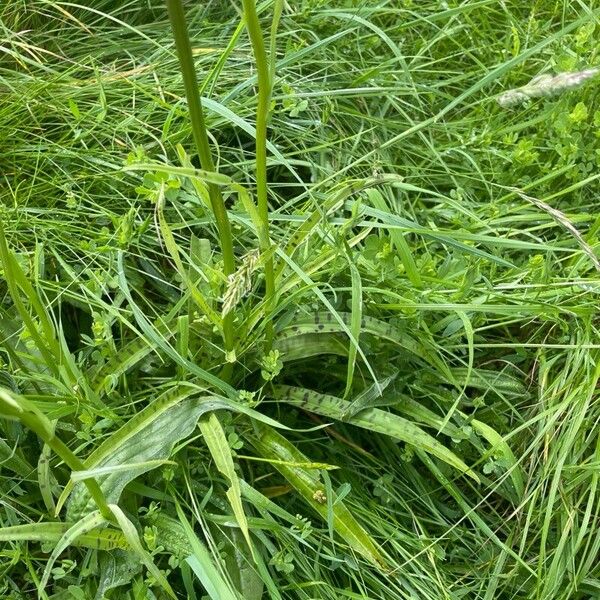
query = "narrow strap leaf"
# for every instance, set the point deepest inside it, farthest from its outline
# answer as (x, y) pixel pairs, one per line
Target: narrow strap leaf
(217, 443)
(132, 536)
(372, 419)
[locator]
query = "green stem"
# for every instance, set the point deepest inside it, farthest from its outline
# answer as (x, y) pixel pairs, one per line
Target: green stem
(186, 62)
(262, 112)
(32, 421)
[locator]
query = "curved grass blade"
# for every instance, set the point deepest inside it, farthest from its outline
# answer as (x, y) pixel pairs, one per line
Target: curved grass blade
(355, 324)
(84, 525)
(203, 566)
(9, 459)
(173, 249)
(473, 515)
(422, 414)
(132, 536)
(134, 351)
(52, 532)
(379, 202)
(499, 445)
(130, 355)
(310, 485)
(468, 327)
(330, 205)
(151, 332)
(230, 116)
(368, 398)
(45, 478)
(17, 282)
(15, 407)
(217, 443)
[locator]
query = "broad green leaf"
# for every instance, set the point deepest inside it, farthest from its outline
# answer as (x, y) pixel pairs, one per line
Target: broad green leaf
(325, 322)
(132, 428)
(310, 344)
(135, 467)
(312, 465)
(372, 419)
(243, 573)
(145, 441)
(115, 568)
(499, 382)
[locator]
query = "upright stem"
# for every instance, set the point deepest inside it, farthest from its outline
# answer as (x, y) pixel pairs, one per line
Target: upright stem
(186, 62)
(262, 113)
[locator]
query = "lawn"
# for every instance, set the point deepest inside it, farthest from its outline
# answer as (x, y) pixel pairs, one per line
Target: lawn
(299, 300)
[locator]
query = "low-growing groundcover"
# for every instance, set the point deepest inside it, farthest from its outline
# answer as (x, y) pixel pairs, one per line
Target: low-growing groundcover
(382, 384)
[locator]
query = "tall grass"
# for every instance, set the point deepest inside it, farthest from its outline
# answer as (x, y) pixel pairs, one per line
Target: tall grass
(376, 380)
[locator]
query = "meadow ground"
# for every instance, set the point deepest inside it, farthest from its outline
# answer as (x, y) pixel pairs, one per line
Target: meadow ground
(375, 375)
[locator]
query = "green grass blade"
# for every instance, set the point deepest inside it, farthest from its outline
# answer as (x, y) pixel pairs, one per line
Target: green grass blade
(133, 538)
(355, 322)
(84, 525)
(52, 532)
(310, 486)
(203, 566)
(217, 443)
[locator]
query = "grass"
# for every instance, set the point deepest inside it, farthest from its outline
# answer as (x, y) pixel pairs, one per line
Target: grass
(385, 385)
